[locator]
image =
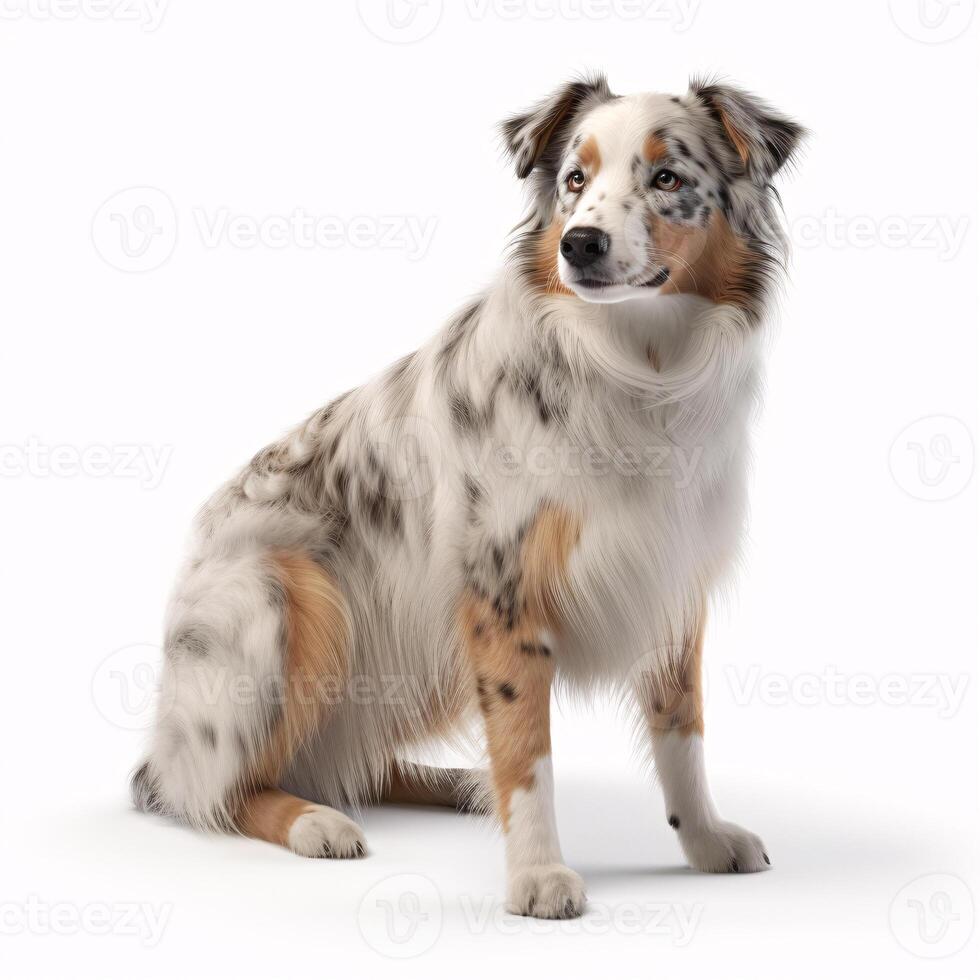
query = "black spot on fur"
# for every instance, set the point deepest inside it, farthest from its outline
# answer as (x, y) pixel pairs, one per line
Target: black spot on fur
(673, 821)
(507, 692)
(195, 640)
(474, 494)
(209, 734)
(535, 649)
(143, 790)
(456, 335)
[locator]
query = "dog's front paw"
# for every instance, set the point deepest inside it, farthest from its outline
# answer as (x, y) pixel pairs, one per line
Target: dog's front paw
(322, 832)
(722, 847)
(546, 891)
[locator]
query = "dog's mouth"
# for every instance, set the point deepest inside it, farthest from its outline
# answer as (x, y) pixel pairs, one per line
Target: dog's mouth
(597, 285)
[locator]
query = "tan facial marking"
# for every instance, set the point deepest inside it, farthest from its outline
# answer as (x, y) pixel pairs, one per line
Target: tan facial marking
(672, 695)
(513, 668)
(712, 262)
(544, 271)
(654, 148)
(589, 156)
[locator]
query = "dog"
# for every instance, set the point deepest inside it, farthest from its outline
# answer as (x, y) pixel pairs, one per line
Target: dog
(548, 493)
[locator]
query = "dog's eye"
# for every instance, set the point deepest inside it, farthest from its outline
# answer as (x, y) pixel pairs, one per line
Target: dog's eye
(575, 181)
(666, 180)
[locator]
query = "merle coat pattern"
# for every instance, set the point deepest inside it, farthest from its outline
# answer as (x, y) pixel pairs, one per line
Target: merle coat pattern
(549, 492)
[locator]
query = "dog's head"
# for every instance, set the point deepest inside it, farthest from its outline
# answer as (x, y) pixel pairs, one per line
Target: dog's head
(651, 194)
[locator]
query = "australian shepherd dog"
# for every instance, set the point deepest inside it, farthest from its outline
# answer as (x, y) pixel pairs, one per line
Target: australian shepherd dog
(548, 493)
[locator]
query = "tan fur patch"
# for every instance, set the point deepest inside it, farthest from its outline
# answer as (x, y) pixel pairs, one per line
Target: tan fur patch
(411, 783)
(317, 659)
(712, 262)
(512, 667)
(589, 156)
(269, 815)
(544, 271)
(654, 148)
(738, 140)
(672, 696)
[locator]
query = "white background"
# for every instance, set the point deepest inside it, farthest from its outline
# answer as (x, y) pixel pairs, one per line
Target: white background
(859, 588)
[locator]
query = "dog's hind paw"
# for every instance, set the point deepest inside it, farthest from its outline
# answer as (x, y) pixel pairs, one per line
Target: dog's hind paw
(322, 832)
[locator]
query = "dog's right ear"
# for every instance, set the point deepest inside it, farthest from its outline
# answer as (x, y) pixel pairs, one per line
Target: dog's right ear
(532, 137)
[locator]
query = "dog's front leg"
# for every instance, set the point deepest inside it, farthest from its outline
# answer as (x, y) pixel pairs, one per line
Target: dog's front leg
(514, 668)
(670, 695)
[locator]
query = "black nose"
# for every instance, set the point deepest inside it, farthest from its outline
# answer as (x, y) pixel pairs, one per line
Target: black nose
(583, 246)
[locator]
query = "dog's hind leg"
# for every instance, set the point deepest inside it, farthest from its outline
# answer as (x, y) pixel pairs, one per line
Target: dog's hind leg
(306, 828)
(412, 783)
(258, 650)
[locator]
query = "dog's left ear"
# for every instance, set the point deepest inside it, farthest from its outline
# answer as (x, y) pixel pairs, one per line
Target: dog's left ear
(764, 139)
(533, 138)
